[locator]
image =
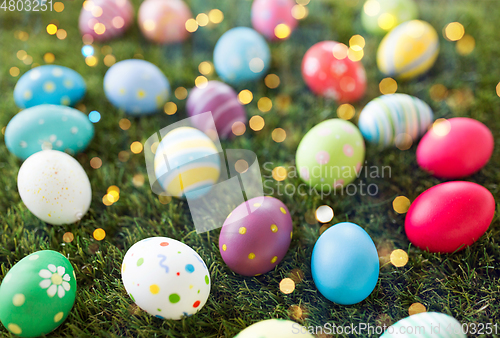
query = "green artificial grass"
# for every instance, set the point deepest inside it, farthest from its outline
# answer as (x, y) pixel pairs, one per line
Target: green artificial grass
(464, 285)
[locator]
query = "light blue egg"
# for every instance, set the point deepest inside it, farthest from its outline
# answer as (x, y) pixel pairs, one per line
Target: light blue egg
(345, 264)
(48, 127)
(241, 55)
(136, 86)
(49, 84)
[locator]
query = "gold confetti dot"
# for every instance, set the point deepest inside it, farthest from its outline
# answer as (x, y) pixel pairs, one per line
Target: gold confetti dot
(215, 16)
(441, 127)
(438, 92)
(388, 86)
(123, 156)
(264, 104)
(206, 68)
(287, 285)
(454, 31)
(58, 7)
(295, 312)
(191, 25)
(99, 234)
(416, 308)
(256, 123)
(136, 147)
(399, 258)
(14, 71)
(282, 31)
(241, 166)
(465, 45)
(324, 214)
(180, 93)
(278, 135)
(238, 128)
(245, 96)
(299, 12)
(138, 180)
(68, 237)
(346, 111)
(279, 174)
(49, 57)
(51, 29)
(96, 162)
(296, 275)
(403, 141)
(109, 60)
(401, 204)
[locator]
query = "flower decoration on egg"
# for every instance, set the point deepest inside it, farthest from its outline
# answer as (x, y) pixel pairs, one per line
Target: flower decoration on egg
(55, 280)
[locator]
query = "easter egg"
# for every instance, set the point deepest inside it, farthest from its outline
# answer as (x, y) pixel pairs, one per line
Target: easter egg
(187, 163)
(54, 187)
(241, 54)
(165, 278)
(106, 19)
(274, 328)
(48, 127)
(409, 50)
(455, 148)
(37, 294)
(164, 21)
(345, 264)
(426, 325)
(49, 84)
(222, 101)
(256, 235)
(449, 216)
(330, 155)
(136, 86)
(273, 18)
(390, 119)
(380, 16)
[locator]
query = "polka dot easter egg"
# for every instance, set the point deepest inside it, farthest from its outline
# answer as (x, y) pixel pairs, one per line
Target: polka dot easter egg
(37, 294)
(241, 55)
(187, 163)
(136, 86)
(409, 50)
(273, 18)
(48, 127)
(49, 84)
(54, 187)
(166, 278)
(426, 325)
(222, 101)
(330, 155)
(106, 19)
(394, 118)
(255, 236)
(328, 72)
(380, 16)
(164, 21)
(274, 328)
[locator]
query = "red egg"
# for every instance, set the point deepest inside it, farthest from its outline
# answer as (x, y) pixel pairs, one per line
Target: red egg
(455, 148)
(449, 216)
(328, 71)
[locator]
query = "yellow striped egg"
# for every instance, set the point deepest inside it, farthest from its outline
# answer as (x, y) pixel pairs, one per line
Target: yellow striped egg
(187, 163)
(409, 50)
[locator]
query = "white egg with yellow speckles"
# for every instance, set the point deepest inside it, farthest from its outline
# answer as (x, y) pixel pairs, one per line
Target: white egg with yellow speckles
(54, 187)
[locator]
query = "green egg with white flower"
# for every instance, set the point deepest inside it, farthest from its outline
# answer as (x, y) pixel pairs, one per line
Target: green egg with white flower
(37, 294)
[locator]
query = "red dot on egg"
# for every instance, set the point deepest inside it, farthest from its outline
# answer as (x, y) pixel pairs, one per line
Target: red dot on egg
(196, 304)
(163, 244)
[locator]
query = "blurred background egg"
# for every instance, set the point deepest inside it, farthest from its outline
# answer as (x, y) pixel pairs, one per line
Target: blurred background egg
(426, 324)
(380, 16)
(105, 19)
(136, 86)
(273, 18)
(166, 278)
(274, 328)
(54, 187)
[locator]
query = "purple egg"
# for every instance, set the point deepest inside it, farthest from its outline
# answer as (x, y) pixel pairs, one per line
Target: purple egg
(256, 235)
(222, 101)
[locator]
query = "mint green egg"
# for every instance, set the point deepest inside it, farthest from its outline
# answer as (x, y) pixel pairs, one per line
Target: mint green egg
(330, 155)
(380, 16)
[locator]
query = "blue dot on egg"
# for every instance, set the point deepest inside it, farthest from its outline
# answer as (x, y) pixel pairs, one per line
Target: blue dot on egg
(189, 268)
(87, 50)
(94, 116)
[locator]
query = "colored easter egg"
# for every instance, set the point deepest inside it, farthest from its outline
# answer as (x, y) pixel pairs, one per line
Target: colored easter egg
(37, 294)
(390, 119)
(426, 325)
(49, 84)
(273, 18)
(449, 216)
(187, 163)
(328, 72)
(345, 264)
(222, 101)
(274, 328)
(48, 127)
(256, 235)
(455, 148)
(166, 278)
(136, 86)
(241, 54)
(330, 155)
(54, 187)
(409, 50)
(106, 19)
(380, 16)
(164, 21)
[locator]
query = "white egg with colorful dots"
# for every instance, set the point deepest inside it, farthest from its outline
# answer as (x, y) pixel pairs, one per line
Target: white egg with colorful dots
(166, 278)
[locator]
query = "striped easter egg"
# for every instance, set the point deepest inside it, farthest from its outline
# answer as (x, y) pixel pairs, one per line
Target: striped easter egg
(388, 117)
(426, 325)
(187, 163)
(409, 50)
(105, 19)
(222, 101)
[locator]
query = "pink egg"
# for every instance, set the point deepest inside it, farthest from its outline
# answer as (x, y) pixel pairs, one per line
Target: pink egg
(328, 72)
(255, 236)
(455, 148)
(106, 19)
(449, 216)
(164, 21)
(268, 14)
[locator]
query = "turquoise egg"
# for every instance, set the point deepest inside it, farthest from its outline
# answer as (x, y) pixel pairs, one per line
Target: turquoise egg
(49, 84)
(48, 126)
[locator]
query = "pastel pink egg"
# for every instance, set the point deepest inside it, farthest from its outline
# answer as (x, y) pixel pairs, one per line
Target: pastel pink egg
(268, 14)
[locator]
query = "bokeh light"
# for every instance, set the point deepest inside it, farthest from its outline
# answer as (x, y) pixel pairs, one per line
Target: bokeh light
(216, 16)
(91, 61)
(241, 166)
(95, 162)
(388, 86)
(245, 96)
(264, 104)
(61, 34)
(454, 31)
(191, 25)
(401, 204)
(21, 54)
(94, 116)
(299, 12)
(180, 93)
(282, 31)
(386, 21)
(438, 92)
(403, 141)
(124, 124)
(49, 57)
(279, 173)
(371, 7)
(324, 214)
(441, 127)
(68, 237)
(399, 258)
(278, 135)
(340, 51)
(87, 50)
(287, 285)
(202, 19)
(201, 81)
(123, 156)
(138, 181)
(206, 68)
(272, 81)
(58, 7)
(357, 42)
(14, 71)
(465, 45)
(51, 29)
(99, 234)
(164, 199)
(170, 108)
(346, 111)
(256, 65)
(355, 54)
(238, 128)
(256, 123)
(109, 60)
(136, 147)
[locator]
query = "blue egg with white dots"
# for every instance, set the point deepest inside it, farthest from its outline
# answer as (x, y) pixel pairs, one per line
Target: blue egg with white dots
(344, 264)
(241, 55)
(137, 87)
(49, 84)
(48, 126)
